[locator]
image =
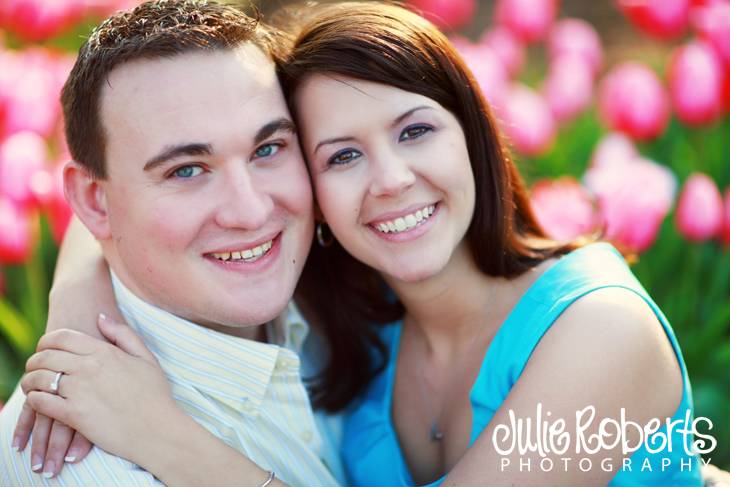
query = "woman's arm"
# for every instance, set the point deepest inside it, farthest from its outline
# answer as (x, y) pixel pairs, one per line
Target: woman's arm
(151, 432)
(81, 286)
(606, 351)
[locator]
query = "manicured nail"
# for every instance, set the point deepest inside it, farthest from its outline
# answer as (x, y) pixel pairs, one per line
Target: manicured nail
(16, 444)
(102, 317)
(48, 472)
(70, 458)
(37, 465)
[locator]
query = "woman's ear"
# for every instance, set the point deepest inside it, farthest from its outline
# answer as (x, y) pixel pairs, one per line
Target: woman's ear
(87, 197)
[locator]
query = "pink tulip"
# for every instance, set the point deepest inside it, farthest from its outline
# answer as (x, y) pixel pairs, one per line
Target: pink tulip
(700, 209)
(30, 86)
(445, 14)
(527, 121)
(663, 19)
(38, 20)
(632, 100)
(15, 233)
(21, 156)
(634, 197)
(576, 37)
(529, 20)
(712, 22)
(695, 83)
(614, 148)
(48, 185)
(564, 208)
(487, 68)
(508, 48)
(568, 87)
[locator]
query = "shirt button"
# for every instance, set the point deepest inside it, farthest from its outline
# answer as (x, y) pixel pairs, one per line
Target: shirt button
(306, 436)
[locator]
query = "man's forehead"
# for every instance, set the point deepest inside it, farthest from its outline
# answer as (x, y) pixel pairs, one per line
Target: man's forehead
(190, 97)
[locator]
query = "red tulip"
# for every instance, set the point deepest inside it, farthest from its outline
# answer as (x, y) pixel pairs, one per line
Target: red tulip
(508, 48)
(632, 100)
(700, 209)
(695, 83)
(633, 198)
(21, 156)
(663, 19)
(15, 233)
(568, 87)
(614, 148)
(529, 20)
(564, 208)
(487, 68)
(713, 24)
(445, 14)
(37, 20)
(527, 120)
(576, 37)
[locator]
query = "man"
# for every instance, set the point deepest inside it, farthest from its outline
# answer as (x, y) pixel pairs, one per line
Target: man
(187, 171)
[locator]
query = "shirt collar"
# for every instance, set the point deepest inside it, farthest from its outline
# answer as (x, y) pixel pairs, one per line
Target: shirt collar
(234, 370)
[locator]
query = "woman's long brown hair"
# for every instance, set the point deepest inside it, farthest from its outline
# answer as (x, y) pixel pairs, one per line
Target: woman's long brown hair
(385, 43)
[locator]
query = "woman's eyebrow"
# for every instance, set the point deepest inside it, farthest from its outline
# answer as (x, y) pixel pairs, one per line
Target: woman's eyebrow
(395, 122)
(410, 112)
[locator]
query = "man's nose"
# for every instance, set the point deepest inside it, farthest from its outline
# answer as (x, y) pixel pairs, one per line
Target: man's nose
(391, 175)
(243, 203)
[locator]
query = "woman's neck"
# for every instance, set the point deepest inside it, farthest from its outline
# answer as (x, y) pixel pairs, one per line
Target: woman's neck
(450, 309)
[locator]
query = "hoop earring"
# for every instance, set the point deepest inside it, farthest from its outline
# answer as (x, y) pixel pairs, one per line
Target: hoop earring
(324, 237)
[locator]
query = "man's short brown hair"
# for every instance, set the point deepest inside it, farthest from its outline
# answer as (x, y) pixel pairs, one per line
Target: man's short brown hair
(155, 29)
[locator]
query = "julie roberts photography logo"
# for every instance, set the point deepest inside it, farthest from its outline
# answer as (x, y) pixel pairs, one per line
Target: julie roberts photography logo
(670, 443)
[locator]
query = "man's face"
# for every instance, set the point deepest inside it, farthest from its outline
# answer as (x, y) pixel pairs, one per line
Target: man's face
(208, 198)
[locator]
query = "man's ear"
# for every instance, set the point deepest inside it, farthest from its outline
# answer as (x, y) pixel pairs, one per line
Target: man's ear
(87, 198)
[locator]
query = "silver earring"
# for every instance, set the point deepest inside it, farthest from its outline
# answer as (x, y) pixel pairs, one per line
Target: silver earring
(324, 235)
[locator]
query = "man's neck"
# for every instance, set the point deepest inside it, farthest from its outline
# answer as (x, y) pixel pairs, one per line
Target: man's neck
(256, 332)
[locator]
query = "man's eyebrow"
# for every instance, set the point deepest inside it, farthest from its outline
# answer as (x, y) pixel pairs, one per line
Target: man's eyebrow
(171, 152)
(397, 120)
(281, 124)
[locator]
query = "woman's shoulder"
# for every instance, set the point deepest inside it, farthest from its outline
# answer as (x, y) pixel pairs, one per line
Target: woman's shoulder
(615, 331)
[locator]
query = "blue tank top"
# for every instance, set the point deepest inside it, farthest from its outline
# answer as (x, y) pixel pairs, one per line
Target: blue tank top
(370, 447)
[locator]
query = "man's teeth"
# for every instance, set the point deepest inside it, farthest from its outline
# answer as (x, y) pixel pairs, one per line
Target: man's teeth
(248, 255)
(407, 222)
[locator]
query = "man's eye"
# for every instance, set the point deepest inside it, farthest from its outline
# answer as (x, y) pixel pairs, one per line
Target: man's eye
(413, 132)
(267, 150)
(186, 172)
(344, 157)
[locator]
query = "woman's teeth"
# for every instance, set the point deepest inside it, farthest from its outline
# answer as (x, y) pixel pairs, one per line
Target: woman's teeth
(406, 222)
(248, 255)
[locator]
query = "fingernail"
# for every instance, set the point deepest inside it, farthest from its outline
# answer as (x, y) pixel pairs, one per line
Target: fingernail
(102, 317)
(48, 472)
(70, 458)
(37, 464)
(16, 444)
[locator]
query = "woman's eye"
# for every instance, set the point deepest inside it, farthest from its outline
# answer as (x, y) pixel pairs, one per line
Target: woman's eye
(267, 150)
(413, 132)
(186, 172)
(344, 157)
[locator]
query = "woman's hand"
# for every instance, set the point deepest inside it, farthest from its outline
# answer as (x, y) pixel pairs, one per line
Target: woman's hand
(114, 393)
(81, 288)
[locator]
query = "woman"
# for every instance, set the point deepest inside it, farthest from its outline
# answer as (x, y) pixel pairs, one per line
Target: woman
(431, 228)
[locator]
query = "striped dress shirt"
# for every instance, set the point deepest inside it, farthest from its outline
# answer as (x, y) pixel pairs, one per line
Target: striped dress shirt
(247, 393)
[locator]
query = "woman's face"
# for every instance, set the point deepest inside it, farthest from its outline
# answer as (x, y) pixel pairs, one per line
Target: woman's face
(391, 173)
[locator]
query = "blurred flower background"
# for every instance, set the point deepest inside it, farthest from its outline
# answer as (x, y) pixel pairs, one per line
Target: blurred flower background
(617, 111)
